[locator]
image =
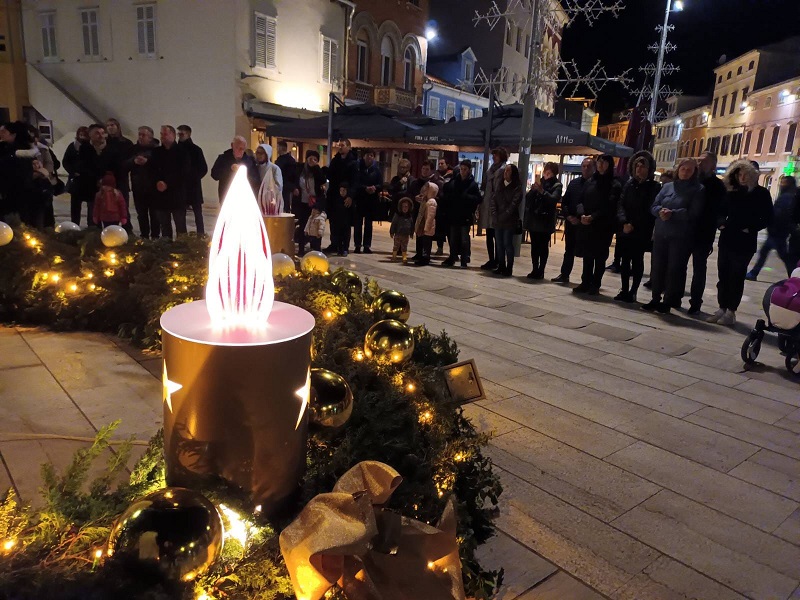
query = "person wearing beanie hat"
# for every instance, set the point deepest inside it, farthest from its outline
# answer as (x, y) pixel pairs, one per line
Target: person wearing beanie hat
(109, 203)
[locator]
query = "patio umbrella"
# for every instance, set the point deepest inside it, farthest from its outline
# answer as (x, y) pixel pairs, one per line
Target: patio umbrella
(357, 122)
(550, 135)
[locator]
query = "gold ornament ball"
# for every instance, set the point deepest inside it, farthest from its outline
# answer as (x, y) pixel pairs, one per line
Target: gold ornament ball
(113, 235)
(392, 305)
(389, 341)
(6, 233)
(282, 265)
(314, 262)
(331, 400)
(347, 281)
(176, 529)
(67, 226)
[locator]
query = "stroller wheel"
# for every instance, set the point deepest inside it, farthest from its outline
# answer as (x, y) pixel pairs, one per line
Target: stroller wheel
(751, 348)
(793, 362)
(784, 344)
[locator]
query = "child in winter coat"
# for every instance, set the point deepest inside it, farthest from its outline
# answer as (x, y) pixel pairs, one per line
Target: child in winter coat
(425, 227)
(109, 203)
(315, 228)
(402, 228)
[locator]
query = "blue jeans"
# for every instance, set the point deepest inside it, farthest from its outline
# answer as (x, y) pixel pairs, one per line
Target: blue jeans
(504, 244)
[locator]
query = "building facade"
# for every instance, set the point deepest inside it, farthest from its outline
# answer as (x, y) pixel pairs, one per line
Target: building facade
(694, 132)
(616, 131)
(149, 63)
(13, 79)
(448, 89)
(770, 131)
(387, 53)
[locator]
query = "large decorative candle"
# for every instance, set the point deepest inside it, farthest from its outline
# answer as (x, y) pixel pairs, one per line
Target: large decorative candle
(236, 369)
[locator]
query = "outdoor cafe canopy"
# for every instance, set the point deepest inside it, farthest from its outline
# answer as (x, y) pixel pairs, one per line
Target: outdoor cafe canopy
(354, 122)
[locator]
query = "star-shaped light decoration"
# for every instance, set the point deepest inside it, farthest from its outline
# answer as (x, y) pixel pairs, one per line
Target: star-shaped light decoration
(169, 387)
(304, 393)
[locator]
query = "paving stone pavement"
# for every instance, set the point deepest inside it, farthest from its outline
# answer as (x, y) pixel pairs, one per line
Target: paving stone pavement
(640, 460)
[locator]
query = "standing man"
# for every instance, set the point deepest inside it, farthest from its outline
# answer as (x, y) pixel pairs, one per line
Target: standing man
(368, 185)
(461, 197)
(343, 168)
(94, 159)
(571, 207)
(493, 182)
(229, 161)
(122, 148)
(171, 172)
(197, 170)
(706, 228)
(291, 174)
(70, 160)
(143, 183)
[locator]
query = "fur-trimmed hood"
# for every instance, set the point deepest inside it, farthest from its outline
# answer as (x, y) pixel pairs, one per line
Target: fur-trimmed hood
(651, 162)
(405, 200)
(730, 180)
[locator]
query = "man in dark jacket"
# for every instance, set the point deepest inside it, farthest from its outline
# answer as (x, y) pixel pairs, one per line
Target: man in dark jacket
(228, 162)
(343, 168)
(780, 229)
(569, 209)
(401, 185)
(197, 170)
(461, 198)
(122, 147)
(95, 159)
(290, 171)
(143, 183)
(171, 172)
(70, 159)
(369, 181)
(706, 228)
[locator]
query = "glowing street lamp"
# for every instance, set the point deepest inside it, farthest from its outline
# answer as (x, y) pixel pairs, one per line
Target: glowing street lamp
(431, 33)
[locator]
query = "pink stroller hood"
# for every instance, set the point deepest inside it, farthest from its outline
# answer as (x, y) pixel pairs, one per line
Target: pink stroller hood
(784, 304)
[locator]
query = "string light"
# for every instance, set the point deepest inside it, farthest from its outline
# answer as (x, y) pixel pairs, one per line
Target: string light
(108, 272)
(9, 544)
(459, 457)
(73, 288)
(98, 554)
(45, 276)
(410, 387)
(55, 278)
(89, 275)
(175, 265)
(358, 355)
(328, 314)
(92, 286)
(426, 417)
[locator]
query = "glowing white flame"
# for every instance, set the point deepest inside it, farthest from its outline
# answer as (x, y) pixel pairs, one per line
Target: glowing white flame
(240, 291)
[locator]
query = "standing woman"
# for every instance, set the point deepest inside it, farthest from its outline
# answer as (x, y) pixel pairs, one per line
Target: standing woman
(540, 217)
(677, 208)
(596, 224)
(504, 213)
(492, 182)
(747, 209)
(636, 222)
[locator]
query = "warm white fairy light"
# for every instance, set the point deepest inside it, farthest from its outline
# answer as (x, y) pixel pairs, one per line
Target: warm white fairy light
(240, 291)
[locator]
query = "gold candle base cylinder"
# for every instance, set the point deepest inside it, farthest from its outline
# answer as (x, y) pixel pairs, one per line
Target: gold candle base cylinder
(280, 231)
(235, 411)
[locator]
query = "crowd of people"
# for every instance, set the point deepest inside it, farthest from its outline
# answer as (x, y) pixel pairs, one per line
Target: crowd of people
(676, 219)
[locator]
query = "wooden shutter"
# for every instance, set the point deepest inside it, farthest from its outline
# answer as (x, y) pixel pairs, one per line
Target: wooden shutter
(330, 60)
(261, 41)
(272, 37)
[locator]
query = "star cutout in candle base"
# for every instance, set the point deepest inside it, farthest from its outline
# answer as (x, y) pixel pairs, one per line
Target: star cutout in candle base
(303, 393)
(169, 387)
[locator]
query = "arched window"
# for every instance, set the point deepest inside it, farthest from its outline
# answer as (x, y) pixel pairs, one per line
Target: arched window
(362, 56)
(773, 143)
(752, 65)
(760, 143)
(409, 65)
(747, 139)
(729, 74)
(739, 71)
(387, 62)
(790, 137)
(700, 147)
(694, 148)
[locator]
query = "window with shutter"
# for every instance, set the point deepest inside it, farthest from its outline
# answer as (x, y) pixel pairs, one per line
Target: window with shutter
(433, 107)
(330, 60)
(265, 41)
(48, 25)
(146, 30)
(91, 38)
(450, 110)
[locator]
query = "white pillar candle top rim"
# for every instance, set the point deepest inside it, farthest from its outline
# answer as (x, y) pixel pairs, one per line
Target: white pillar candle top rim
(191, 322)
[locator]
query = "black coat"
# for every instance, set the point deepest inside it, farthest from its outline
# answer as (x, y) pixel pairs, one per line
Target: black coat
(198, 168)
(744, 214)
(223, 173)
(540, 207)
(91, 168)
(634, 208)
(122, 148)
(599, 200)
(398, 189)
(143, 182)
(366, 203)
(314, 173)
(714, 199)
(290, 171)
(341, 170)
(572, 197)
(504, 206)
(461, 198)
(170, 165)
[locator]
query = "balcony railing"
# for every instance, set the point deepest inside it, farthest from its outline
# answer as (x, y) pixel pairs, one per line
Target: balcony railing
(395, 97)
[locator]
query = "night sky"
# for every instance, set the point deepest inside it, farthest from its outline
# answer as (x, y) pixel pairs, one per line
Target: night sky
(704, 31)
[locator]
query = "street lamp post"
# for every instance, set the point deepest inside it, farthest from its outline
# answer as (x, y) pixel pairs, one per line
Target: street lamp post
(661, 51)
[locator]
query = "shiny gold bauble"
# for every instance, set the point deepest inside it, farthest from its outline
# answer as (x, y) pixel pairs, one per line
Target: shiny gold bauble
(389, 341)
(392, 305)
(175, 529)
(347, 281)
(282, 265)
(314, 262)
(330, 401)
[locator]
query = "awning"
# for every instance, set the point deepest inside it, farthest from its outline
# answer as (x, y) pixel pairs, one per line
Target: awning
(356, 122)
(550, 135)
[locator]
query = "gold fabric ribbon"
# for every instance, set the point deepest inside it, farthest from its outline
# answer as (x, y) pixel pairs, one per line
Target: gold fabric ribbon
(345, 537)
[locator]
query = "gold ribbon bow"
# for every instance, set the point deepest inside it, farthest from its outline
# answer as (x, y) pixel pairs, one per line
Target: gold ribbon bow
(373, 554)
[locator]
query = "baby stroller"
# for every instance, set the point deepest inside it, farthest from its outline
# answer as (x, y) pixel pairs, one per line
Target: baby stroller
(782, 308)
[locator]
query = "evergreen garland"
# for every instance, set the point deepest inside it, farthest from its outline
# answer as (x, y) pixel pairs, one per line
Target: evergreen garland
(71, 282)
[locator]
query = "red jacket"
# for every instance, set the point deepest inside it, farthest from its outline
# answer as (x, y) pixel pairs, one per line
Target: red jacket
(109, 205)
